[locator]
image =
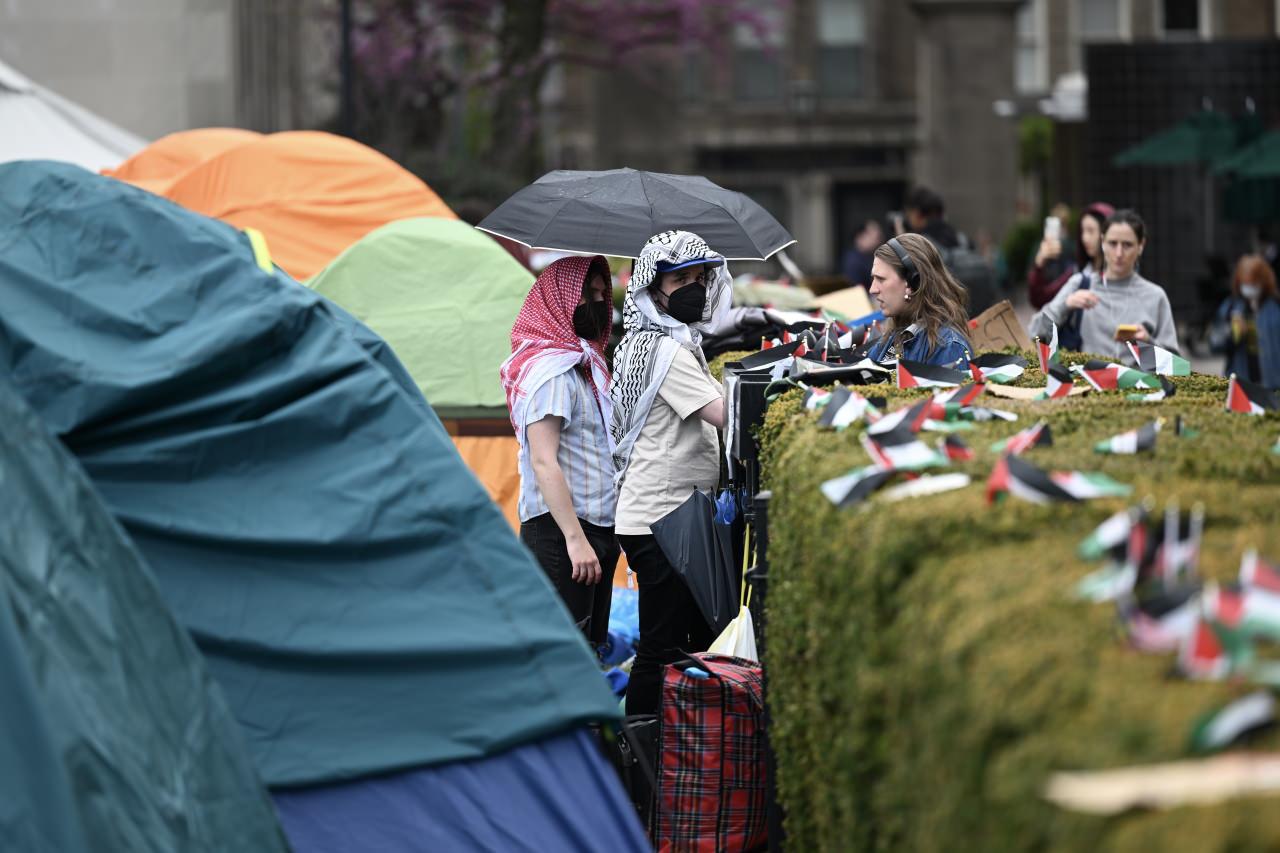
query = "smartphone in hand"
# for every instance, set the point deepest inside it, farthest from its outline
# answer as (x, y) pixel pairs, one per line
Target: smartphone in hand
(1052, 228)
(1127, 332)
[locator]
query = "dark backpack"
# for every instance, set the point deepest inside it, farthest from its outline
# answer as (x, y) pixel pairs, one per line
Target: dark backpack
(975, 273)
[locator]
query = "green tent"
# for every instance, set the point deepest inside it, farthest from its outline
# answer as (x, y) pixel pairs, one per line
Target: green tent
(443, 295)
(114, 737)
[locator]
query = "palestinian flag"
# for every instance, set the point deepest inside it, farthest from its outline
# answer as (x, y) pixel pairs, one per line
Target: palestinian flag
(828, 348)
(1239, 614)
(955, 449)
(1182, 430)
(1158, 360)
(769, 355)
(1048, 351)
(1178, 551)
(1244, 396)
(1162, 623)
(997, 367)
(901, 449)
(1109, 376)
(1222, 728)
(1037, 435)
(917, 374)
(1167, 390)
(1015, 475)
(1083, 485)
(1058, 382)
(1110, 534)
(1202, 657)
(982, 414)
(816, 398)
(855, 486)
(845, 407)
(1133, 441)
(928, 484)
(962, 396)
(1257, 574)
(910, 417)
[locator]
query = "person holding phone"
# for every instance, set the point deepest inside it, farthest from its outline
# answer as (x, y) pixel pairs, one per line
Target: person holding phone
(1123, 305)
(1048, 273)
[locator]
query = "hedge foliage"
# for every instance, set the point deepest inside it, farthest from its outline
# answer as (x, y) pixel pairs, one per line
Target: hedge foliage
(928, 666)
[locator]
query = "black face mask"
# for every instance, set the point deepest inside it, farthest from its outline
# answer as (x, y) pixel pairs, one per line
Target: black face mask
(686, 304)
(591, 320)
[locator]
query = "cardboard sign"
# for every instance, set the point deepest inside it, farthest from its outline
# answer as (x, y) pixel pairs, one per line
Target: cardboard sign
(996, 328)
(851, 302)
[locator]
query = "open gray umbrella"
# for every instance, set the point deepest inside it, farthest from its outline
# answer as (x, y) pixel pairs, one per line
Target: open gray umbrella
(616, 211)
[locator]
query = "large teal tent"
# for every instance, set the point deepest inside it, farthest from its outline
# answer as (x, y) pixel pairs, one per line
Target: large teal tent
(358, 597)
(114, 737)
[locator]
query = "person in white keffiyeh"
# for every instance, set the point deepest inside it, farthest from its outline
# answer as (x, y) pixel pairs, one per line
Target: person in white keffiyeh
(667, 409)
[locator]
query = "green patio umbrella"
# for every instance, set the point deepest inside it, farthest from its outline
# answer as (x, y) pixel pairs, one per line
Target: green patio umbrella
(1258, 159)
(1205, 137)
(443, 295)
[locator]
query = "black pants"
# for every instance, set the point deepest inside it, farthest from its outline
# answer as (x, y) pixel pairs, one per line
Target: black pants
(670, 622)
(587, 603)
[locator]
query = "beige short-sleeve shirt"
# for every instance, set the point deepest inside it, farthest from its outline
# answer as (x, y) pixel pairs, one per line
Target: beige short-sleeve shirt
(675, 452)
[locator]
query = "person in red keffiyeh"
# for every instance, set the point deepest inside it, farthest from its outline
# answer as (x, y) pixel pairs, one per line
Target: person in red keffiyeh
(557, 385)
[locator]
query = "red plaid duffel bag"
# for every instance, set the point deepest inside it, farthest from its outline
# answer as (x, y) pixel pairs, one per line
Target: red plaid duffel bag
(711, 764)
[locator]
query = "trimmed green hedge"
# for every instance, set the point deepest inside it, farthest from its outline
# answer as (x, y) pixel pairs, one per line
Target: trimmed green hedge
(928, 667)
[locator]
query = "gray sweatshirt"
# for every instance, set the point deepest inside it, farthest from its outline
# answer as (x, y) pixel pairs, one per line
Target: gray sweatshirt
(1124, 300)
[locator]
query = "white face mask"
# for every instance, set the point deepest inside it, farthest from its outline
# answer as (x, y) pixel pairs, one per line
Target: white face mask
(1250, 291)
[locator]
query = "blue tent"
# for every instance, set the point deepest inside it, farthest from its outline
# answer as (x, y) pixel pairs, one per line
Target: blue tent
(361, 602)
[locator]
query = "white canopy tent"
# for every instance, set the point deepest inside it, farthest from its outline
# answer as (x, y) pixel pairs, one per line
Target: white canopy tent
(41, 125)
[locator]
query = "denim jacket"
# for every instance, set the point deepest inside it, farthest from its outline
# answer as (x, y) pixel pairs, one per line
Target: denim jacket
(952, 351)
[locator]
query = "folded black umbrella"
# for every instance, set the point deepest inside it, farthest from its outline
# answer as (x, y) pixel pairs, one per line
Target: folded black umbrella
(615, 212)
(701, 551)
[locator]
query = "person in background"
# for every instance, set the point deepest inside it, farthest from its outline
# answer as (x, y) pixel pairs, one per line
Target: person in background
(667, 409)
(557, 386)
(1048, 273)
(856, 264)
(926, 214)
(1247, 327)
(924, 304)
(1122, 306)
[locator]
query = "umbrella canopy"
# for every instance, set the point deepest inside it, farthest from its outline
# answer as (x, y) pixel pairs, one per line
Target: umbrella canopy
(1259, 159)
(1205, 137)
(435, 289)
(616, 211)
(40, 125)
(701, 551)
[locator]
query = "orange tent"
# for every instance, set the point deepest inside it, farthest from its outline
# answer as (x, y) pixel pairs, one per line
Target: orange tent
(311, 194)
(162, 162)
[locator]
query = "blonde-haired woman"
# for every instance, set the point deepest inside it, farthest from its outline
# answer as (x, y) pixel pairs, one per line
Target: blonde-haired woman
(925, 305)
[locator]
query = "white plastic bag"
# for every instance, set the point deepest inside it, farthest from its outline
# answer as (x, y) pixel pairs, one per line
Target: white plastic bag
(738, 638)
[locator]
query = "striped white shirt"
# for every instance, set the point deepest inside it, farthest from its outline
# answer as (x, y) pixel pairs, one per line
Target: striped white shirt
(583, 455)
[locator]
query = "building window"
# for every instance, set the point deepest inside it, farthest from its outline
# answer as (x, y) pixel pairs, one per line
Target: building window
(757, 54)
(1099, 21)
(1031, 55)
(842, 35)
(1183, 19)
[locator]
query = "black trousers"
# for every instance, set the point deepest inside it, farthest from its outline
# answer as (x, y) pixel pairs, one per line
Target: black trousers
(670, 622)
(587, 603)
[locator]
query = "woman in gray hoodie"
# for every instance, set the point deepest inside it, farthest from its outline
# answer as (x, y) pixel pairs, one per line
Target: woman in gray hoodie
(1117, 297)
